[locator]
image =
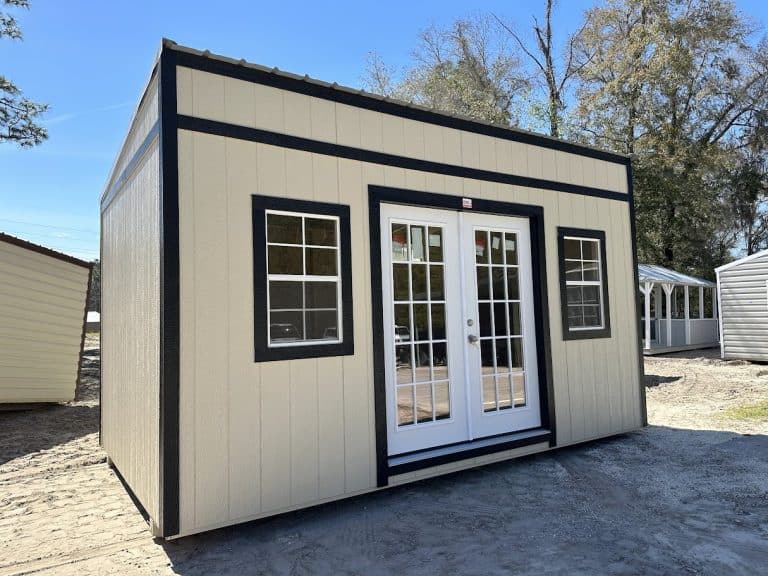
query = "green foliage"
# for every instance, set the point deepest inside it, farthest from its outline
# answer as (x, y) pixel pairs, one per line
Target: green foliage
(18, 115)
(754, 411)
(94, 299)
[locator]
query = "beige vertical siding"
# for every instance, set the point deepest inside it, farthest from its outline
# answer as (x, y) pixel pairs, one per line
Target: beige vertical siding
(744, 310)
(42, 302)
(130, 317)
(262, 438)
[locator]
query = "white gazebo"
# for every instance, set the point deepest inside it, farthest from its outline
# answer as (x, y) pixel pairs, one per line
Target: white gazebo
(679, 311)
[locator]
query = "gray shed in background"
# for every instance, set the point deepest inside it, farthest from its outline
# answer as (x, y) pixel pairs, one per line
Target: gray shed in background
(742, 291)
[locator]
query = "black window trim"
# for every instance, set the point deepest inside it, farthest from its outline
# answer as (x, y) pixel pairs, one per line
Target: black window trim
(583, 333)
(262, 351)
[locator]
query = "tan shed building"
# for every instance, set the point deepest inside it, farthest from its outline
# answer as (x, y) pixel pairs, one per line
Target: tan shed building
(43, 297)
(310, 292)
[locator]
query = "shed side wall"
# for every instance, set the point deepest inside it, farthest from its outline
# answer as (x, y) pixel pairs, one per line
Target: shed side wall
(744, 310)
(130, 320)
(258, 439)
(42, 300)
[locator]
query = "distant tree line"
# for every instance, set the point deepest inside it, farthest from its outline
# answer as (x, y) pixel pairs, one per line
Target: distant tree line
(679, 85)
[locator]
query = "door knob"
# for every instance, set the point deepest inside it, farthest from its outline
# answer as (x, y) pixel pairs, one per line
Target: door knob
(472, 338)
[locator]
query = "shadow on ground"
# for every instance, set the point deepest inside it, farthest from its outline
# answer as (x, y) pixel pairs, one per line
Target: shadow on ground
(652, 380)
(658, 501)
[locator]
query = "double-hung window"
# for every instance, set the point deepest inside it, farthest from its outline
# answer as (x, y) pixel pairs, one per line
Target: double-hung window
(302, 284)
(583, 284)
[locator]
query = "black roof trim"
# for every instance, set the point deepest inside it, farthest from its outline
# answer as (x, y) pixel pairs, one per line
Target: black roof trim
(43, 250)
(242, 70)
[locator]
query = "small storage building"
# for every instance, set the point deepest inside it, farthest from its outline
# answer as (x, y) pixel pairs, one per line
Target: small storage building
(310, 292)
(679, 311)
(43, 297)
(742, 291)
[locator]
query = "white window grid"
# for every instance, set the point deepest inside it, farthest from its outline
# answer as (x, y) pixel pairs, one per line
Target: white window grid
(598, 283)
(303, 278)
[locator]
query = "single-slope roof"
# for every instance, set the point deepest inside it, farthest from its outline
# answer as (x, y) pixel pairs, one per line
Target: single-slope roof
(661, 275)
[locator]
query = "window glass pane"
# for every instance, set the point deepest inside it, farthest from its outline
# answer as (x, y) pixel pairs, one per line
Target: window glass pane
(591, 316)
(320, 232)
(497, 248)
(417, 244)
(510, 246)
(285, 260)
(283, 229)
(320, 294)
(284, 295)
(591, 294)
(575, 317)
(481, 246)
(321, 261)
(572, 248)
(574, 295)
(286, 326)
(399, 242)
(322, 324)
(591, 272)
(419, 281)
(572, 271)
(436, 282)
(400, 277)
(435, 244)
(590, 249)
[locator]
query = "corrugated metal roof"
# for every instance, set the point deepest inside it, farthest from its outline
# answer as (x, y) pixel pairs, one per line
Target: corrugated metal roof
(741, 261)
(659, 274)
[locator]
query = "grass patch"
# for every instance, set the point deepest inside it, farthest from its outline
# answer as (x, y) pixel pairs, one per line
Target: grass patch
(755, 411)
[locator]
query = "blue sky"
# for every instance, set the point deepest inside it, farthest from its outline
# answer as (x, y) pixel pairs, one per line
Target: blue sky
(89, 61)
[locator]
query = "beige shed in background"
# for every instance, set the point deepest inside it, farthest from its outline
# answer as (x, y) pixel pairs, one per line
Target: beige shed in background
(310, 292)
(43, 297)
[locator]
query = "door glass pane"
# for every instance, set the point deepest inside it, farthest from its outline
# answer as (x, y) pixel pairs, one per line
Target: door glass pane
(497, 273)
(484, 318)
(489, 394)
(399, 242)
(515, 328)
(510, 246)
(518, 386)
(424, 403)
(500, 319)
(483, 284)
(442, 401)
(487, 356)
(517, 353)
(404, 405)
(502, 355)
(513, 284)
(481, 246)
(497, 248)
(435, 244)
(436, 291)
(505, 391)
(421, 350)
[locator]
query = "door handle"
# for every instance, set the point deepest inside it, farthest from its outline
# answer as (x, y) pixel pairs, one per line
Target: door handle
(472, 338)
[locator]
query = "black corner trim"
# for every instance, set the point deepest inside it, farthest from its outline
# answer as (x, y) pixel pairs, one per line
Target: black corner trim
(638, 304)
(377, 104)
(470, 452)
(262, 351)
(535, 214)
(169, 299)
(568, 334)
(227, 130)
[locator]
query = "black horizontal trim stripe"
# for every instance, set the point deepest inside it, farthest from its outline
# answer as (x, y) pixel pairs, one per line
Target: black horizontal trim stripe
(308, 87)
(341, 151)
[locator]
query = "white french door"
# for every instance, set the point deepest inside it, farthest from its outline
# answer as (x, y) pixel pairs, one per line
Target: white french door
(459, 328)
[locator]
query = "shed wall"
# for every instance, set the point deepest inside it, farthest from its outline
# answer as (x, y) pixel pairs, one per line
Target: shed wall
(258, 439)
(130, 317)
(744, 310)
(42, 305)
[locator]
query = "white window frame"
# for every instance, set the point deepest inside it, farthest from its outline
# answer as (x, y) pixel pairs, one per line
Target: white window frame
(599, 282)
(303, 278)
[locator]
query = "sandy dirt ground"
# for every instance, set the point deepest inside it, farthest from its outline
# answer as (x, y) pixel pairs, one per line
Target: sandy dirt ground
(687, 495)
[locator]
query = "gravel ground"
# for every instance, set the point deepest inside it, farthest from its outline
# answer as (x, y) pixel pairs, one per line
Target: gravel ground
(688, 494)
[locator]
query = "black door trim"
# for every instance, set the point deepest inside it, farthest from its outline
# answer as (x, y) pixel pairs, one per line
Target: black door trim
(378, 195)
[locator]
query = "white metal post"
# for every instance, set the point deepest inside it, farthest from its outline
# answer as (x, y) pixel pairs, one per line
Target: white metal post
(668, 288)
(687, 316)
(648, 292)
(701, 302)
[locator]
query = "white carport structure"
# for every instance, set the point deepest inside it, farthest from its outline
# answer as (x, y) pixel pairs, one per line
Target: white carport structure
(679, 311)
